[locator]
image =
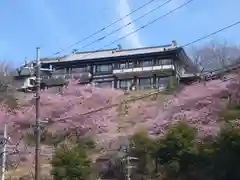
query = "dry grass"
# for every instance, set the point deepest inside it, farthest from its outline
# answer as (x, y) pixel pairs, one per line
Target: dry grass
(28, 170)
(25, 169)
(136, 94)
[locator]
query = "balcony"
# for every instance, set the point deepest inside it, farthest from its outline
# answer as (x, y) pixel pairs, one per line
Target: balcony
(183, 74)
(82, 76)
(140, 70)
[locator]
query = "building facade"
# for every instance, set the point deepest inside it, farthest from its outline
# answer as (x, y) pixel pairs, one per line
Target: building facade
(140, 68)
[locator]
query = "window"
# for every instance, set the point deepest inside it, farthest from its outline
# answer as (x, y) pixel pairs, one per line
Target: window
(58, 71)
(79, 69)
(123, 84)
(104, 84)
(32, 82)
(164, 61)
(126, 65)
(163, 81)
(67, 76)
(130, 65)
(145, 82)
(144, 63)
(68, 70)
(104, 68)
(123, 66)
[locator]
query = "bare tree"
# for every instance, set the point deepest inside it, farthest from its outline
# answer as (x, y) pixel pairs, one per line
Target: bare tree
(7, 95)
(5, 72)
(215, 55)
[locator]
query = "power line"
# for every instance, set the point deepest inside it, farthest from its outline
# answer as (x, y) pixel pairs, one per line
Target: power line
(17, 152)
(111, 105)
(104, 28)
(197, 40)
(135, 31)
(211, 34)
(187, 44)
(149, 23)
(154, 93)
(144, 26)
(128, 24)
(116, 104)
(150, 94)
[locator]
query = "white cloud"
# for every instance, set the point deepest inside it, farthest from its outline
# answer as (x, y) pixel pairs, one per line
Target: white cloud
(133, 40)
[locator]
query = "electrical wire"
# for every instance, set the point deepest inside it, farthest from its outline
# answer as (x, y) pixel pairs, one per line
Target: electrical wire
(154, 93)
(95, 111)
(116, 104)
(128, 24)
(187, 44)
(150, 22)
(135, 31)
(19, 159)
(104, 28)
(142, 27)
(211, 34)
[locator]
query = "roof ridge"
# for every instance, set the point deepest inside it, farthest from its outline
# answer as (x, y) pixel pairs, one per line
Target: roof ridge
(119, 50)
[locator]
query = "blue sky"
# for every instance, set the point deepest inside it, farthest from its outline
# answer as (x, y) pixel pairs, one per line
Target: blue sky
(56, 24)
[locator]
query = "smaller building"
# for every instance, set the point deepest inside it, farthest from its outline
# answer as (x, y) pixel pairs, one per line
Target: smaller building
(25, 79)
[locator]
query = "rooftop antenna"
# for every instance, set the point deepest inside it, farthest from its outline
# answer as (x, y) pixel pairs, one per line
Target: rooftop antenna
(74, 51)
(58, 56)
(174, 44)
(119, 47)
(25, 62)
(26, 65)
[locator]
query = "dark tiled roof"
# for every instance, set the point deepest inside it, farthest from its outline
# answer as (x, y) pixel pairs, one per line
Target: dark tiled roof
(110, 53)
(26, 72)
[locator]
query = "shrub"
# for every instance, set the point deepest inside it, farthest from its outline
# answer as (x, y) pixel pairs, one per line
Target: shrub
(71, 162)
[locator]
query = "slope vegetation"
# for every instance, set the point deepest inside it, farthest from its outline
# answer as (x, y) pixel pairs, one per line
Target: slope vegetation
(109, 116)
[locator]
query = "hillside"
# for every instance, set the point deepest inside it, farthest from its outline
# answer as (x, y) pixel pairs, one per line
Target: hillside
(80, 110)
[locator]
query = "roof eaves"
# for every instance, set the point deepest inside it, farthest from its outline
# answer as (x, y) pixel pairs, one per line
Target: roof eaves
(64, 58)
(98, 58)
(189, 63)
(105, 50)
(123, 50)
(143, 48)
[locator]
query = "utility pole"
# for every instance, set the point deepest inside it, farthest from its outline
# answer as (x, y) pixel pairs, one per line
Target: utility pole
(4, 141)
(37, 127)
(128, 168)
(128, 159)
